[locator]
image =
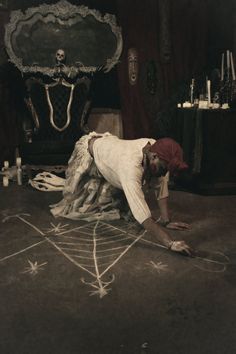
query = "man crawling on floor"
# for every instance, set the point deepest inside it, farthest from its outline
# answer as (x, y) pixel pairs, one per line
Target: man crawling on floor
(106, 178)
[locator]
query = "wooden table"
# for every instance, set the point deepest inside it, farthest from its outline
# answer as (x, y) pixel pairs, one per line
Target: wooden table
(208, 138)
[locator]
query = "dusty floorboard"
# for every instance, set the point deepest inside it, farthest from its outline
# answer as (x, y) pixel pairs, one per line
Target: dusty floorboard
(74, 287)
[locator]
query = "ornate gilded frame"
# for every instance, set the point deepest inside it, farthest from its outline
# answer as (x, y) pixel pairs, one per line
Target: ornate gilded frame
(62, 16)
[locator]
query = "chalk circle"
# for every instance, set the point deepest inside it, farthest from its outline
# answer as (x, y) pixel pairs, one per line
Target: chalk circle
(212, 262)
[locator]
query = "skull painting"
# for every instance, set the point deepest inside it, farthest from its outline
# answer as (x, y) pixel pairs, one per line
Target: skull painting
(60, 56)
(133, 65)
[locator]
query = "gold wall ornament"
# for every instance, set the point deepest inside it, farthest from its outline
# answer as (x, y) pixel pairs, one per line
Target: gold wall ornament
(133, 66)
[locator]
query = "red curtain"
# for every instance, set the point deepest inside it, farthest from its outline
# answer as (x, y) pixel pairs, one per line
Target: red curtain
(140, 22)
(139, 28)
(189, 32)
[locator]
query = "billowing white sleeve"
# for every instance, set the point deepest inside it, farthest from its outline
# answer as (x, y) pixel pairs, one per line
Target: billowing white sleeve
(134, 194)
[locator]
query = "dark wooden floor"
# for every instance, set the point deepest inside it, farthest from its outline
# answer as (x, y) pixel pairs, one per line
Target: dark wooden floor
(72, 287)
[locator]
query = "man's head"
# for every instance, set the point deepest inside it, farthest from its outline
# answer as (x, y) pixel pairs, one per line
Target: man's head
(165, 155)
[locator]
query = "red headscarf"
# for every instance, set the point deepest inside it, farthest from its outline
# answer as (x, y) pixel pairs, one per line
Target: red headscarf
(170, 151)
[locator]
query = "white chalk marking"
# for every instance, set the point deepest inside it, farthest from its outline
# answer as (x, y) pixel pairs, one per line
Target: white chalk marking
(31, 225)
(122, 254)
(223, 264)
(34, 267)
(48, 240)
(74, 229)
(97, 229)
(158, 266)
(69, 257)
(56, 228)
(87, 251)
(195, 257)
(21, 251)
(95, 258)
(108, 238)
(104, 256)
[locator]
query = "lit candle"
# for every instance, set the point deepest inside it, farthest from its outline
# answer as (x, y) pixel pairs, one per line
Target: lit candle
(191, 94)
(227, 59)
(5, 181)
(222, 66)
(209, 91)
(232, 66)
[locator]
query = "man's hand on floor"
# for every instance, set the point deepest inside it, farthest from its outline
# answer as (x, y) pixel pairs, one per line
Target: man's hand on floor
(181, 247)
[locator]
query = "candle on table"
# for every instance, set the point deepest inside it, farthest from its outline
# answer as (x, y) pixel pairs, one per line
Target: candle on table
(227, 59)
(209, 91)
(232, 66)
(192, 87)
(222, 66)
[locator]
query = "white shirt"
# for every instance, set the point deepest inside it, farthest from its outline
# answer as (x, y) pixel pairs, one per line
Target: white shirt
(120, 163)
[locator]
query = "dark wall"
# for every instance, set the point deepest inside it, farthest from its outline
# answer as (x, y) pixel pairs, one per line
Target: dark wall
(194, 31)
(102, 5)
(173, 35)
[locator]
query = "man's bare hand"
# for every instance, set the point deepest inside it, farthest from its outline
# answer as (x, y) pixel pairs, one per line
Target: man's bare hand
(181, 247)
(178, 226)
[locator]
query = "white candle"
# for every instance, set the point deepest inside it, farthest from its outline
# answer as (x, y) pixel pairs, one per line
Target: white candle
(232, 66)
(191, 94)
(5, 181)
(227, 59)
(222, 66)
(6, 165)
(209, 91)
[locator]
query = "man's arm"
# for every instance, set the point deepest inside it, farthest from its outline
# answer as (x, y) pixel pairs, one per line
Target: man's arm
(163, 206)
(161, 235)
(158, 232)
(141, 212)
(165, 217)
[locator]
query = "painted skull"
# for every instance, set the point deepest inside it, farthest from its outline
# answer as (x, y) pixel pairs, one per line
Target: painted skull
(60, 56)
(133, 65)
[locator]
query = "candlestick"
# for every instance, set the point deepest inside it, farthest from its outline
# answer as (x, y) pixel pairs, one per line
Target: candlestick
(227, 59)
(222, 66)
(5, 181)
(209, 91)
(19, 171)
(232, 66)
(191, 91)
